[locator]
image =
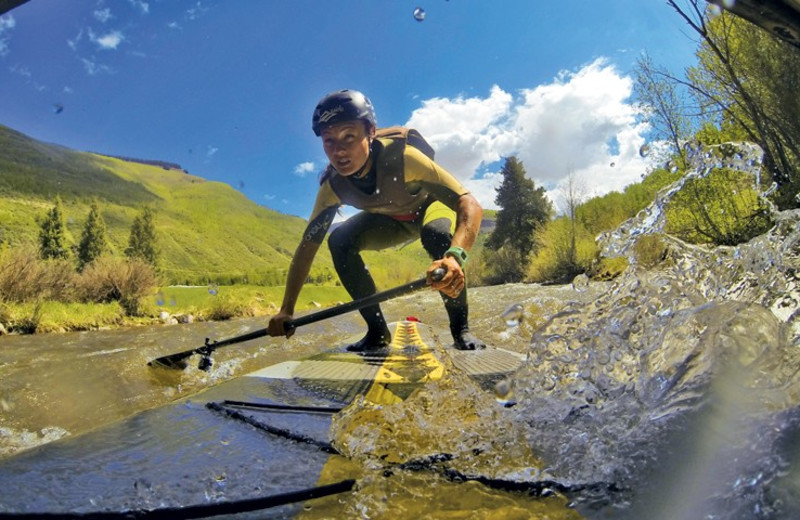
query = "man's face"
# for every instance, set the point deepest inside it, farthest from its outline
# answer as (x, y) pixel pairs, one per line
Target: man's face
(347, 146)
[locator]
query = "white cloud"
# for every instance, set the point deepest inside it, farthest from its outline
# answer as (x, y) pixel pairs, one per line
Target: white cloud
(25, 72)
(94, 68)
(302, 169)
(7, 23)
(144, 7)
(103, 15)
(344, 213)
(193, 13)
(73, 44)
(464, 131)
(108, 41)
(211, 151)
(580, 123)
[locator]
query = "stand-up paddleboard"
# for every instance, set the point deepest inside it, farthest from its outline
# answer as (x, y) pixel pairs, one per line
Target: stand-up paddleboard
(256, 443)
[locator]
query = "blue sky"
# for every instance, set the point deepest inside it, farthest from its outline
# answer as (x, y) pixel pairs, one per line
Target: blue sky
(227, 88)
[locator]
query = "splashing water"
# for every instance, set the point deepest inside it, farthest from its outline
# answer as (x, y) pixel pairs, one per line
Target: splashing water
(744, 157)
(678, 385)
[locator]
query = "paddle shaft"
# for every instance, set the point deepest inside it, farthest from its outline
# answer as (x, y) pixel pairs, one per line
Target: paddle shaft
(357, 304)
(175, 360)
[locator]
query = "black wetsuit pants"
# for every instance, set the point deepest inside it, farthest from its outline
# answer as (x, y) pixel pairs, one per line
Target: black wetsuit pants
(372, 232)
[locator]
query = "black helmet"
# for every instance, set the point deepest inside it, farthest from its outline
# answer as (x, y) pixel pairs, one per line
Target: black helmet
(341, 106)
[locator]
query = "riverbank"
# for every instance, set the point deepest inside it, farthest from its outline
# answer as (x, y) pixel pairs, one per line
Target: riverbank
(174, 304)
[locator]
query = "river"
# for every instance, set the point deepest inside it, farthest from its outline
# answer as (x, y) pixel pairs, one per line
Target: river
(672, 392)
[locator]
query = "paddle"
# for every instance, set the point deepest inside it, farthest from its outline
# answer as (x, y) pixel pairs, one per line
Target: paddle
(178, 361)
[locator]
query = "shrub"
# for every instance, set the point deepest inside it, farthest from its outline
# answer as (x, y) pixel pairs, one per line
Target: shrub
(19, 273)
(566, 249)
(25, 277)
(29, 323)
(721, 209)
(649, 250)
(127, 281)
(609, 268)
(226, 307)
(504, 265)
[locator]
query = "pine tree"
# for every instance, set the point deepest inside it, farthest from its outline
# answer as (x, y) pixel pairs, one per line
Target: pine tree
(142, 240)
(523, 208)
(93, 239)
(52, 235)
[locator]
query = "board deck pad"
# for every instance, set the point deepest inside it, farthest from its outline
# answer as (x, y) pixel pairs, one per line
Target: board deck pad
(390, 374)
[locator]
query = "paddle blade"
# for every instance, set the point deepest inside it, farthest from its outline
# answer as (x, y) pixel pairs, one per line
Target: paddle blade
(173, 361)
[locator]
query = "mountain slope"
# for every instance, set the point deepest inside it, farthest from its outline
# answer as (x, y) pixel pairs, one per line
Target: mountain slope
(207, 231)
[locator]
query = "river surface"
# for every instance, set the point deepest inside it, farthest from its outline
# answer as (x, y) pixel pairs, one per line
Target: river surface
(672, 392)
(57, 384)
(64, 385)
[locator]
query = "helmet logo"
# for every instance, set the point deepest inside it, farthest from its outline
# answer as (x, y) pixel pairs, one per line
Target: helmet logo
(330, 113)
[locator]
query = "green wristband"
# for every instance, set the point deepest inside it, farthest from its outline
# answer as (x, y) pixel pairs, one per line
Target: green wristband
(459, 254)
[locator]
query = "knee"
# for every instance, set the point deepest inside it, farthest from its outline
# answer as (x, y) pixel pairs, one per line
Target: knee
(337, 243)
(342, 244)
(436, 237)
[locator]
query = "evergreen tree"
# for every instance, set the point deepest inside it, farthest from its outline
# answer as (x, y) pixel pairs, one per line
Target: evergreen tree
(523, 207)
(52, 235)
(93, 238)
(142, 240)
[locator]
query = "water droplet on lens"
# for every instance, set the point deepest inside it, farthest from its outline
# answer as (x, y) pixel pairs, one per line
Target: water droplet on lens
(513, 315)
(504, 393)
(419, 14)
(613, 164)
(644, 150)
(580, 283)
(159, 298)
(213, 289)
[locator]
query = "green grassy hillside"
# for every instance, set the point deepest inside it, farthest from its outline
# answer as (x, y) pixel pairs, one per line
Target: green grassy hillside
(207, 231)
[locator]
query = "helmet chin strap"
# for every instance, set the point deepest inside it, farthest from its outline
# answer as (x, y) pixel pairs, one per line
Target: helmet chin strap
(365, 168)
(367, 164)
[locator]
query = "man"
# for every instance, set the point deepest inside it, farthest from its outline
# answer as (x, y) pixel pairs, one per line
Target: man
(403, 195)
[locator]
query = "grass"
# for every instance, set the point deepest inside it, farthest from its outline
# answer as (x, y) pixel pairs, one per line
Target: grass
(227, 302)
(41, 317)
(259, 300)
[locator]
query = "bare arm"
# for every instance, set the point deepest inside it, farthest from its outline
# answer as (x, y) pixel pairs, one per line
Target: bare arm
(468, 222)
(469, 214)
(298, 272)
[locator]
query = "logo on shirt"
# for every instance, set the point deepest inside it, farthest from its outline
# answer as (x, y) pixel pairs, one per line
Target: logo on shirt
(330, 113)
(318, 227)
